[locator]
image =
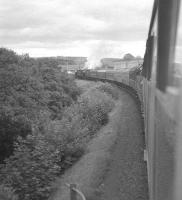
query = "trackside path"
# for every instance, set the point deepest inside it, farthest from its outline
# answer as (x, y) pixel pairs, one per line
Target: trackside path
(112, 167)
(126, 178)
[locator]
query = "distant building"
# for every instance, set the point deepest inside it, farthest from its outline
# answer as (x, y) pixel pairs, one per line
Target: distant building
(71, 64)
(126, 64)
(71, 68)
(119, 64)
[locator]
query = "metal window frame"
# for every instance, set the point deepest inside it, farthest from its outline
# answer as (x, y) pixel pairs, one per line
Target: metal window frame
(150, 56)
(147, 66)
(144, 67)
(168, 11)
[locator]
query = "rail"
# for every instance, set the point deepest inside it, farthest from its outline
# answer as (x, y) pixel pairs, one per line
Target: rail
(74, 192)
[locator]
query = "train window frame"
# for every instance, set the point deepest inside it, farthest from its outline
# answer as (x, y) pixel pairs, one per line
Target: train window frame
(145, 63)
(147, 57)
(150, 52)
(168, 12)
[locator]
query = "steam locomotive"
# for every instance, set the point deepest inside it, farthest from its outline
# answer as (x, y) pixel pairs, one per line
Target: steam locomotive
(158, 86)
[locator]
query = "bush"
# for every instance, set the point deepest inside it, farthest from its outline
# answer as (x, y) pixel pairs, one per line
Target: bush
(95, 106)
(30, 87)
(32, 167)
(54, 145)
(7, 193)
(10, 129)
(109, 89)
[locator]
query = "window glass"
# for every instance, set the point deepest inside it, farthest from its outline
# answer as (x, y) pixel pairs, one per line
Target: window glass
(178, 52)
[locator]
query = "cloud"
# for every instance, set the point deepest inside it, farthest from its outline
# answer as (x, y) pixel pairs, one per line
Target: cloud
(51, 25)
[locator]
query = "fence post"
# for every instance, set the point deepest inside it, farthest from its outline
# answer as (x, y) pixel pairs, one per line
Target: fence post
(73, 193)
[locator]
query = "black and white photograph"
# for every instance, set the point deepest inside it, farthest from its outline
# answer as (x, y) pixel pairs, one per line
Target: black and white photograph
(90, 99)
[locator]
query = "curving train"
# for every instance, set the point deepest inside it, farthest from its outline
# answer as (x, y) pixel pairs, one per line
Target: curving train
(158, 86)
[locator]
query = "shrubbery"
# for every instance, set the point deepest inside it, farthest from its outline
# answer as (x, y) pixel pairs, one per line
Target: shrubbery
(32, 168)
(9, 130)
(7, 193)
(28, 88)
(45, 123)
(40, 157)
(109, 89)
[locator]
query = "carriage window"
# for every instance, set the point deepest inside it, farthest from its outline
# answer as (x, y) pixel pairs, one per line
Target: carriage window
(178, 52)
(167, 24)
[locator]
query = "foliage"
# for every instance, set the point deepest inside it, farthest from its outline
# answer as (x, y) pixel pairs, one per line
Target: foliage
(38, 158)
(7, 57)
(109, 89)
(7, 193)
(60, 89)
(128, 57)
(32, 168)
(45, 123)
(82, 120)
(8, 133)
(28, 88)
(95, 106)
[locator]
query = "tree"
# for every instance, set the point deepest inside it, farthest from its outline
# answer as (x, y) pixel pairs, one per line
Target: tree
(10, 129)
(128, 57)
(28, 88)
(7, 57)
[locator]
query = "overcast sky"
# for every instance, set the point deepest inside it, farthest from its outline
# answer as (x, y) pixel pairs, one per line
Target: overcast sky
(75, 27)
